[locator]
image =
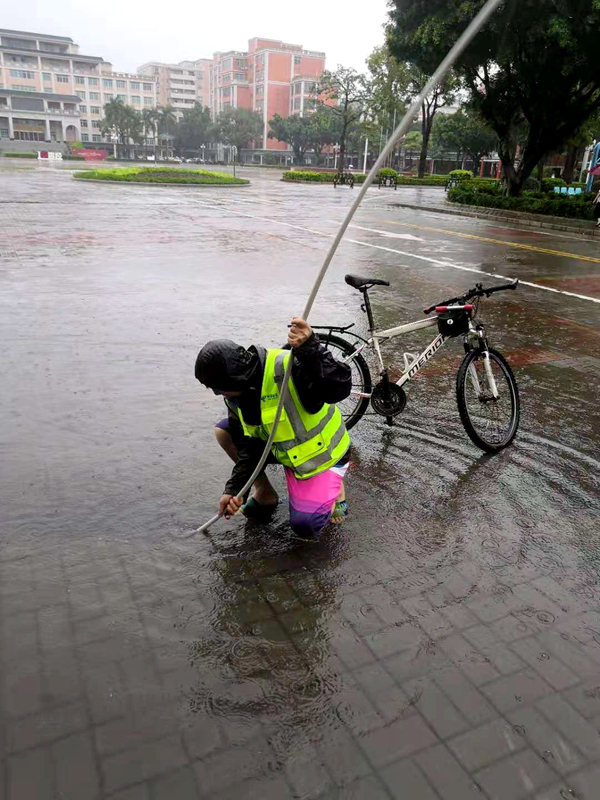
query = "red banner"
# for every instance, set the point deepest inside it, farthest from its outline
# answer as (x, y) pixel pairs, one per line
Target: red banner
(91, 155)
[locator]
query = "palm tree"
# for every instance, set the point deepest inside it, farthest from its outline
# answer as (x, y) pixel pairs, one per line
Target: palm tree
(166, 115)
(150, 118)
(114, 122)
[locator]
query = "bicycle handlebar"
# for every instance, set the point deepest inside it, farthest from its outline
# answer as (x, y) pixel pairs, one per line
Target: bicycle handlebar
(478, 291)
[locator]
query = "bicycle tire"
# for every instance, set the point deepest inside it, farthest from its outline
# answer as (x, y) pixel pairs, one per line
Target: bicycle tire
(463, 407)
(346, 348)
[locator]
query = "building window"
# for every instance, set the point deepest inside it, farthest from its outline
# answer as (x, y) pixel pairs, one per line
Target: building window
(22, 73)
(239, 76)
(227, 77)
(147, 87)
(94, 96)
(108, 96)
(48, 91)
(96, 137)
(95, 123)
(107, 82)
(260, 89)
(297, 60)
(135, 99)
(83, 123)
(122, 97)
(94, 110)
(147, 101)
(3, 133)
(83, 109)
(22, 88)
(240, 63)
(134, 86)
(121, 84)
(46, 76)
(85, 137)
(79, 80)
(93, 81)
(62, 78)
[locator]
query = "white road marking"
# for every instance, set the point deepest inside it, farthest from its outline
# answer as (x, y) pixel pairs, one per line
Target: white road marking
(437, 261)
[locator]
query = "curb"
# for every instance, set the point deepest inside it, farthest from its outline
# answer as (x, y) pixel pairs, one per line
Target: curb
(151, 183)
(529, 220)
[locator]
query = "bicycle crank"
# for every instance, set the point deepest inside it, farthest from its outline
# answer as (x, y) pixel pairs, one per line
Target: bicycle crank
(388, 399)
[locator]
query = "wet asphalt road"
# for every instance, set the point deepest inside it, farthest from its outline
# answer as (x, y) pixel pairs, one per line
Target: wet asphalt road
(445, 643)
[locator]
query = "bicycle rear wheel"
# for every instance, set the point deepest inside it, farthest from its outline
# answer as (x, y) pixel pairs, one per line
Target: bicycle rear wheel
(491, 423)
(354, 406)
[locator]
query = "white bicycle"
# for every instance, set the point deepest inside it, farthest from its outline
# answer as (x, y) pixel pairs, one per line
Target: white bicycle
(486, 390)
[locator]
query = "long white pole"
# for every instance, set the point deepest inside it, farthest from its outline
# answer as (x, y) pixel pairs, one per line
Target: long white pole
(365, 158)
(457, 49)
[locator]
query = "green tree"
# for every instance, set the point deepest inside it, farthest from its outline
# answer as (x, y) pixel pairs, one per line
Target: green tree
(345, 92)
(166, 122)
(323, 129)
(387, 84)
(465, 133)
(577, 143)
(293, 130)
(529, 68)
(413, 140)
(237, 127)
(150, 118)
(444, 94)
(194, 129)
(122, 121)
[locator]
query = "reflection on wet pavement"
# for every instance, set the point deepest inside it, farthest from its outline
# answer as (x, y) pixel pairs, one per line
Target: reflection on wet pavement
(444, 644)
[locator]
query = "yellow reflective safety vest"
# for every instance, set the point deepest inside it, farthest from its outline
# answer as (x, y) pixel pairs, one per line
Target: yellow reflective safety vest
(306, 443)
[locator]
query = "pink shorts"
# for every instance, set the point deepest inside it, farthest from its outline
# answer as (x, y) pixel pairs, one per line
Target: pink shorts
(312, 500)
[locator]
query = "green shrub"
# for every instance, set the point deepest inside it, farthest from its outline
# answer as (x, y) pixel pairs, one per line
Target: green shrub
(297, 175)
(532, 184)
(161, 175)
(577, 207)
(548, 184)
(20, 155)
(73, 158)
(388, 172)
(461, 174)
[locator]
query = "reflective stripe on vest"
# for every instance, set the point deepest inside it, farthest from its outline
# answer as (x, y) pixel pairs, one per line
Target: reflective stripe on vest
(307, 443)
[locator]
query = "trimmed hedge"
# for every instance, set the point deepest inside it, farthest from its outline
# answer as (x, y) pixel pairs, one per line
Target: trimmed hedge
(461, 174)
(304, 176)
(575, 207)
(388, 172)
(297, 176)
(161, 175)
(19, 155)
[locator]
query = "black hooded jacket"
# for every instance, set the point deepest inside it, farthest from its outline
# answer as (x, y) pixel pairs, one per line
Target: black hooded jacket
(226, 366)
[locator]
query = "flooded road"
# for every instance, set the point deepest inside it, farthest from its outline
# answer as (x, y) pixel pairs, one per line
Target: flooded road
(444, 643)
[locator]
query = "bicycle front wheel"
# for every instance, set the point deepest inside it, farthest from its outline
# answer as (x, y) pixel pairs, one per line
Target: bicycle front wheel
(490, 418)
(354, 406)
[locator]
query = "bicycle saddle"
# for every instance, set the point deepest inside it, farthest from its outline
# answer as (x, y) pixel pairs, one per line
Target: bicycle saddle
(357, 282)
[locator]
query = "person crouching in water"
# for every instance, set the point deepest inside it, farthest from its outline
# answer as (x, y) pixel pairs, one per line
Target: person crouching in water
(311, 441)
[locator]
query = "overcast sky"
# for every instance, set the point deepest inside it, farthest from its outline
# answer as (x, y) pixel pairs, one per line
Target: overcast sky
(129, 32)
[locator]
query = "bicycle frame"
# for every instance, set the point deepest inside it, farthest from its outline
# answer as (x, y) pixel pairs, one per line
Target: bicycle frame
(413, 363)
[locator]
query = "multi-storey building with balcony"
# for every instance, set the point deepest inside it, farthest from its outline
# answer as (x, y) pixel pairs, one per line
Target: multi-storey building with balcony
(68, 89)
(180, 85)
(271, 77)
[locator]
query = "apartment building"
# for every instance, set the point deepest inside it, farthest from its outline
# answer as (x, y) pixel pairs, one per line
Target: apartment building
(50, 79)
(180, 85)
(271, 77)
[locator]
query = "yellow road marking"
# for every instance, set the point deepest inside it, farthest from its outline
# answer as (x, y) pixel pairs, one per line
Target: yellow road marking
(496, 241)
